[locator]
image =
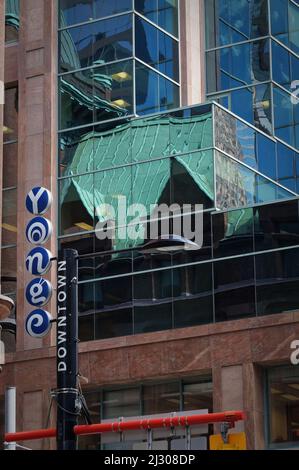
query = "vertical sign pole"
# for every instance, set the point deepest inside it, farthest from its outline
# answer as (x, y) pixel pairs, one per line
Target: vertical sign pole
(67, 350)
(10, 414)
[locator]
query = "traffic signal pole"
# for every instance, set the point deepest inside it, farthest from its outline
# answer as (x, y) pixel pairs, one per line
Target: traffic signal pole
(67, 350)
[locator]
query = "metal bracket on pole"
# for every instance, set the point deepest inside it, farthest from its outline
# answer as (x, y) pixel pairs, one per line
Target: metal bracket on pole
(224, 428)
(188, 438)
(150, 439)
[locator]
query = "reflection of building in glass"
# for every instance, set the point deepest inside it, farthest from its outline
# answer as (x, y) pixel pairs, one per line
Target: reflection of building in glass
(12, 20)
(139, 100)
(252, 59)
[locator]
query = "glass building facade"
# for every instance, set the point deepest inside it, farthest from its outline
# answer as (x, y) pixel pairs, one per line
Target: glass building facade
(118, 61)
(119, 64)
(252, 58)
(130, 292)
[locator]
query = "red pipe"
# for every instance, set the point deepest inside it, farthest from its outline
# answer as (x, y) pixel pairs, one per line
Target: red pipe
(119, 426)
(30, 435)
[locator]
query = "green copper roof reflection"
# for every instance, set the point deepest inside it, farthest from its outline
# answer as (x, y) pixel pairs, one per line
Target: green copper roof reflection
(12, 13)
(139, 140)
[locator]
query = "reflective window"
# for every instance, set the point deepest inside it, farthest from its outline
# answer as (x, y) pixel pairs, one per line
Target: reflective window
(76, 151)
(111, 7)
(96, 94)
(283, 404)
(10, 128)
(79, 11)
(285, 116)
(277, 277)
(253, 104)
(191, 130)
(75, 11)
(276, 225)
(234, 289)
(284, 23)
(10, 165)
(112, 39)
(113, 315)
(153, 301)
(281, 60)
(96, 43)
(193, 179)
(113, 91)
(238, 65)
(150, 138)
(156, 48)
(76, 48)
(8, 270)
(112, 145)
(193, 302)
(153, 92)
(232, 233)
(76, 99)
(235, 21)
(234, 182)
(124, 402)
(162, 12)
(9, 217)
(77, 204)
(12, 20)
(163, 398)
(286, 167)
(198, 396)
(266, 149)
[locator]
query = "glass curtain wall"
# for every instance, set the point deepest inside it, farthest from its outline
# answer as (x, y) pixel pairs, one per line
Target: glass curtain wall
(116, 62)
(252, 62)
(179, 157)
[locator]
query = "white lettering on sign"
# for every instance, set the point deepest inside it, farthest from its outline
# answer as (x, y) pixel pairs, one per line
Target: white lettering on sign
(61, 317)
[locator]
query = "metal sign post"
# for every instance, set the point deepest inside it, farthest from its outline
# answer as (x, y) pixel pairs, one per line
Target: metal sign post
(10, 414)
(67, 350)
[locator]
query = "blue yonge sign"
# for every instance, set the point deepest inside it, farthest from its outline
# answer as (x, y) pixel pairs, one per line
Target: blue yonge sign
(38, 262)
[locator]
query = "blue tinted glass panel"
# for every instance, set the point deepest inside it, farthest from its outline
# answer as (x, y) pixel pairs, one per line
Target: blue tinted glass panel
(111, 7)
(96, 43)
(238, 65)
(168, 15)
(156, 48)
(162, 12)
(76, 48)
(112, 39)
(241, 103)
(235, 21)
(266, 149)
(283, 115)
(113, 90)
(281, 65)
(76, 99)
(169, 94)
(285, 21)
(146, 37)
(154, 92)
(75, 11)
(286, 167)
(147, 90)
